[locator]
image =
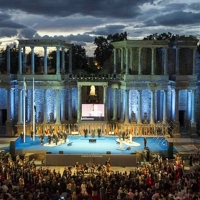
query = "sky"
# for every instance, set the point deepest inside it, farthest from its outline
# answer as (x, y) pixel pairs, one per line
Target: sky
(80, 21)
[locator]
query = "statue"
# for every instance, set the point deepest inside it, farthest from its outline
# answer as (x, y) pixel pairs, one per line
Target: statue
(92, 91)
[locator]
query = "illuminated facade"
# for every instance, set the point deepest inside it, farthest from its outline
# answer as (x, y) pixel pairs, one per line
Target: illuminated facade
(151, 88)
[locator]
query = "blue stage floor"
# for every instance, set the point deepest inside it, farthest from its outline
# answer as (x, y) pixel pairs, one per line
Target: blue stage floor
(81, 145)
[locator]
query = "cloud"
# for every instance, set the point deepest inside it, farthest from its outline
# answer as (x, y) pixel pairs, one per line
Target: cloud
(109, 29)
(8, 32)
(63, 8)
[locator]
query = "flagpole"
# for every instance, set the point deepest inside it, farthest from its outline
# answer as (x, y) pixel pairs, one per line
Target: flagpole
(24, 109)
(33, 110)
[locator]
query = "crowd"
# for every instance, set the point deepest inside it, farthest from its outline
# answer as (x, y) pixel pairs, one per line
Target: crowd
(160, 179)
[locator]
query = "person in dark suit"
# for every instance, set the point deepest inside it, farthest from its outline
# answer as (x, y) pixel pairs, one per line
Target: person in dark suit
(99, 132)
(145, 142)
(85, 132)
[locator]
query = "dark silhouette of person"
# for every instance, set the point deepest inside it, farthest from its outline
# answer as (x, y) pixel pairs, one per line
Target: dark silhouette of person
(32, 135)
(145, 142)
(99, 132)
(123, 135)
(85, 132)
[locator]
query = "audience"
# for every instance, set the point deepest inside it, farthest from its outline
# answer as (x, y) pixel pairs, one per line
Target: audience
(161, 179)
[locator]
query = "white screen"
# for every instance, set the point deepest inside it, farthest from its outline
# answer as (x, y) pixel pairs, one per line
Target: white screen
(92, 110)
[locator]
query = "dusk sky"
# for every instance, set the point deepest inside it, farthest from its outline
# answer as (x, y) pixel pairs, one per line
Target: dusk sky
(80, 21)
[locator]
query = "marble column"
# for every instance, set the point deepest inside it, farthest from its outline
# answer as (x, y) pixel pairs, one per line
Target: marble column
(105, 101)
(152, 120)
(20, 106)
(192, 106)
(57, 60)
(127, 61)
(32, 60)
(9, 104)
(114, 104)
(122, 105)
(70, 103)
(131, 59)
(45, 107)
(57, 106)
(8, 59)
(127, 106)
(194, 62)
(24, 60)
(152, 61)
(139, 121)
(139, 61)
(176, 98)
(70, 60)
(177, 61)
(165, 60)
(164, 121)
(63, 60)
(79, 103)
(63, 106)
(45, 60)
(122, 60)
(19, 60)
(115, 60)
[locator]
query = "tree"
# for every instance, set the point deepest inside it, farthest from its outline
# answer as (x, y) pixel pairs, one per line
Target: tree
(104, 47)
(163, 36)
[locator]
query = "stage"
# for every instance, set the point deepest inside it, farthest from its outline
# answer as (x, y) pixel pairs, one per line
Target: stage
(89, 149)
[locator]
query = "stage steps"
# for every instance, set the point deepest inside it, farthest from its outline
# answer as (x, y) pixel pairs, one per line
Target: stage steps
(2, 130)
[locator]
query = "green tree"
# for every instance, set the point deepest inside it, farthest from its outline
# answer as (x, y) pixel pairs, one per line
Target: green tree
(163, 36)
(104, 47)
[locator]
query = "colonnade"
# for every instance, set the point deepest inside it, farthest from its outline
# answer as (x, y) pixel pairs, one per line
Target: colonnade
(59, 64)
(128, 59)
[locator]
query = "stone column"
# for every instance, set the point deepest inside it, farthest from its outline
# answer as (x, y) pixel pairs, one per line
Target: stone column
(122, 60)
(152, 120)
(45, 107)
(57, 106)
(115, 60)
(139, 62)
(24, 60)
(8, 59)
(152, 61)
(105, 101)
(193, 121)
(32, 60)
(176, 105)
(192, 106)
(131, 59)
(164, 121)
(9, 104)
(20, 59)
(122, 105)
(194, 62)
(79, 103)
(20, 106)
(63, 60)
(127, 106)
(127, 61)
(177, 61)
(70, 104)
(57, 60)
(70, 60)
(114, 104)
(32, 102)
(45, 60)
(62, 105)
(139, 121)
(165, 61)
